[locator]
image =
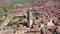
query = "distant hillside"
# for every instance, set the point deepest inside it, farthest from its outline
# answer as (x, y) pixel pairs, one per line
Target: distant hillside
(12, 1)
(7, 2)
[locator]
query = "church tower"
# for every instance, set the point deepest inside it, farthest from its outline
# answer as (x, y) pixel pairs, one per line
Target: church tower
(29, 18)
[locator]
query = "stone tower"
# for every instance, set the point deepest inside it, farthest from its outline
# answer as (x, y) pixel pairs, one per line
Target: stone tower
(29, 18)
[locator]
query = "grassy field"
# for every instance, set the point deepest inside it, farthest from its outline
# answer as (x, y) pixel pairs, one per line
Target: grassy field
(1, 13)
(10, 8)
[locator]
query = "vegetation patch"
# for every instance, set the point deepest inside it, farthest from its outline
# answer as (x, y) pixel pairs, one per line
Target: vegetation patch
(36, 15)
(10, 8)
